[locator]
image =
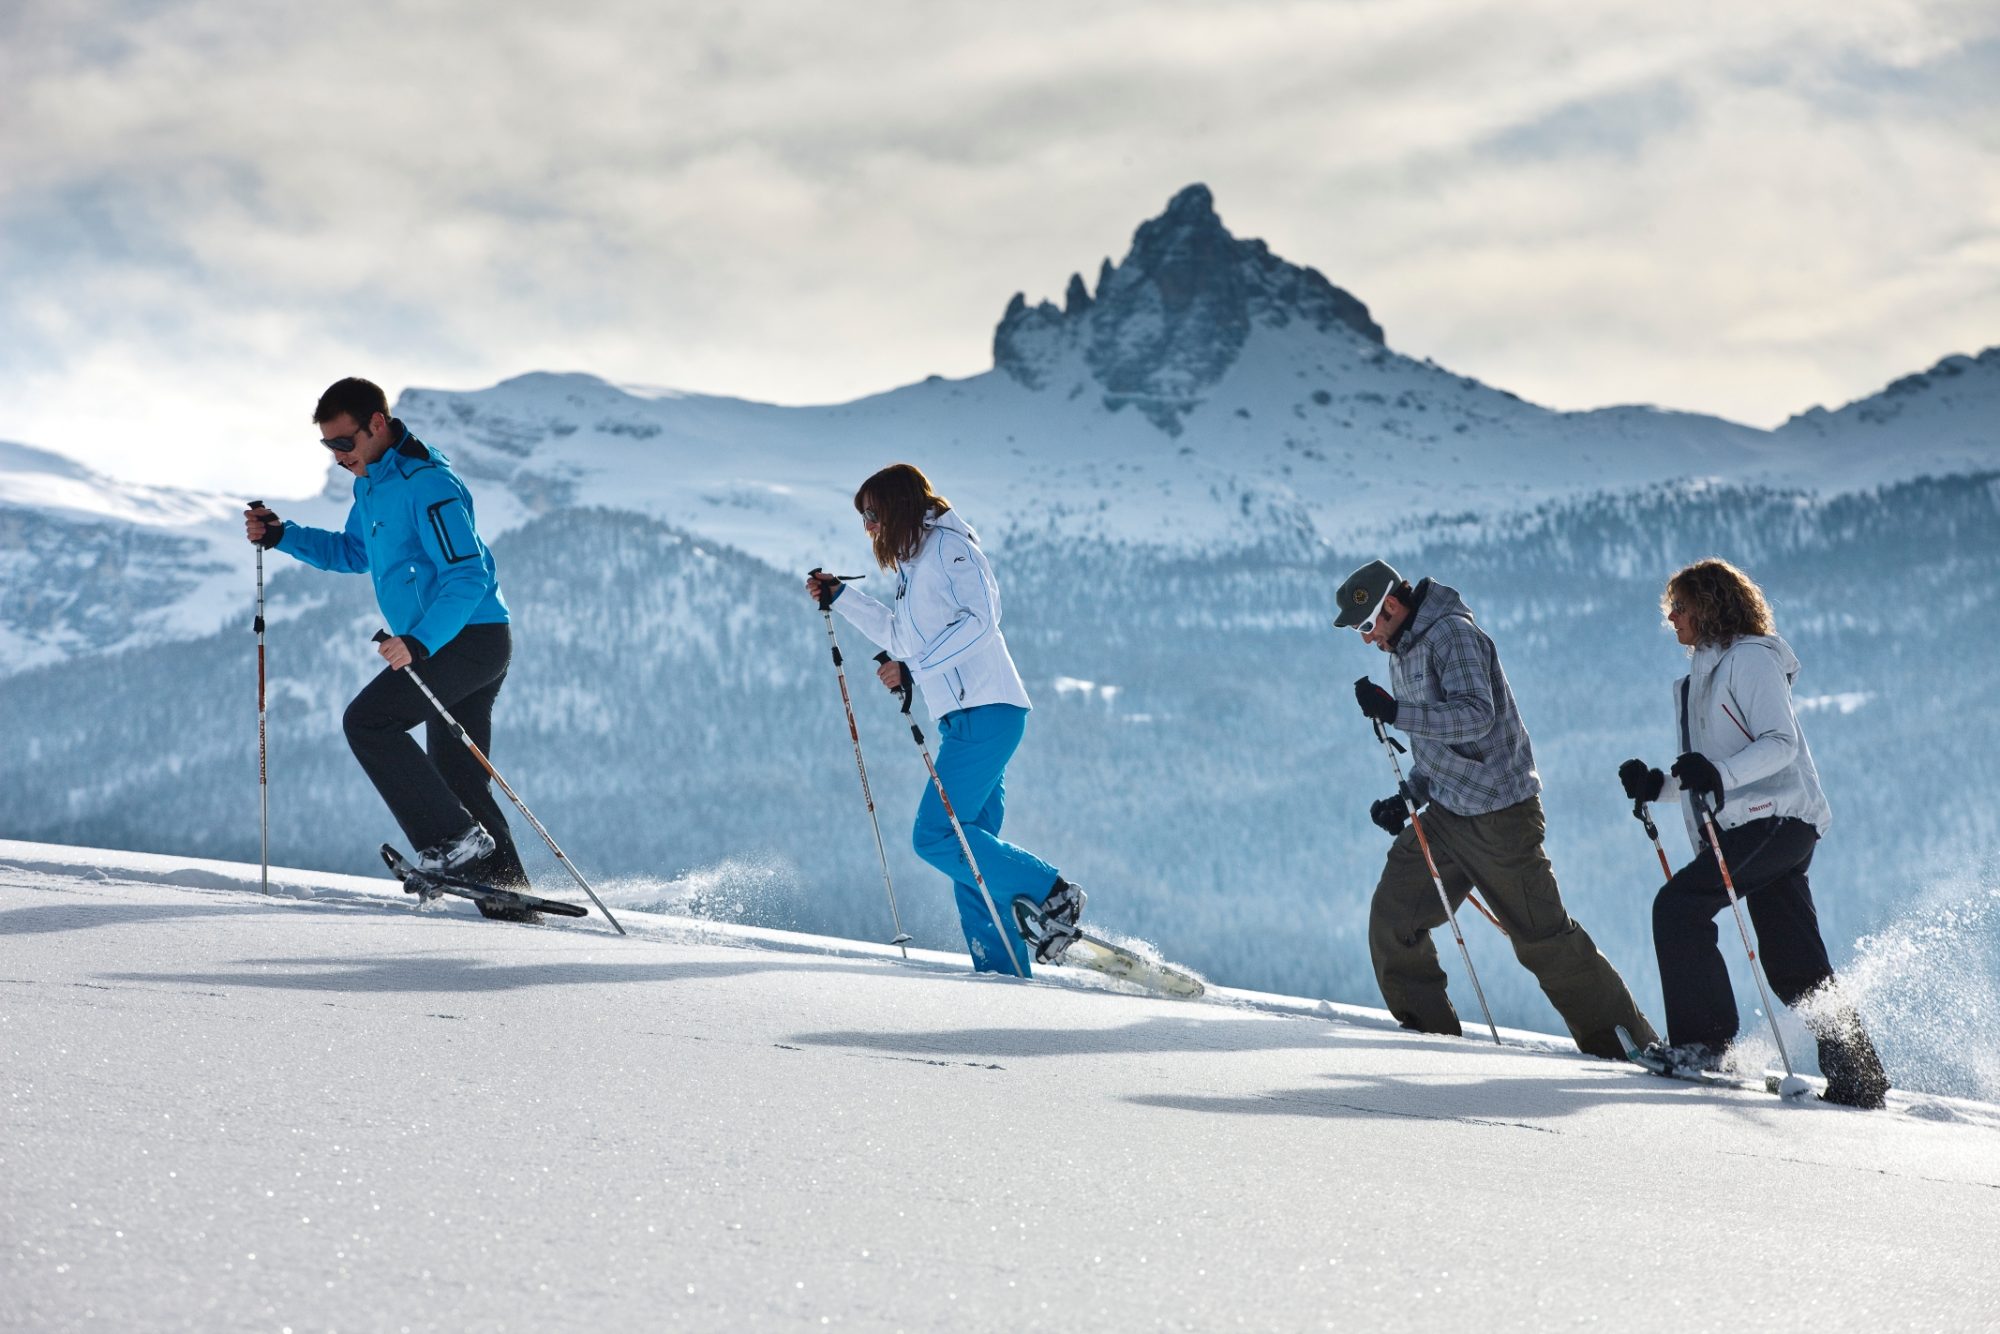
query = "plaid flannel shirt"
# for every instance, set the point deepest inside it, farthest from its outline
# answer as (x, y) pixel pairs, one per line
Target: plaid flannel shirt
(1469, 751)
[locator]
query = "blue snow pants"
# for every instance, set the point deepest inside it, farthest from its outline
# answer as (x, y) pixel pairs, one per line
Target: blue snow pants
(974, 747)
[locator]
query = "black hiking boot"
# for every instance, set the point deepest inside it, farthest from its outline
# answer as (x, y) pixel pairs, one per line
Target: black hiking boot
(1853, 1070)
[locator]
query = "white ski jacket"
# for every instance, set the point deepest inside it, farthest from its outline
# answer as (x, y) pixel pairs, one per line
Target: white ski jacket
(1735, 707)
(945, 626)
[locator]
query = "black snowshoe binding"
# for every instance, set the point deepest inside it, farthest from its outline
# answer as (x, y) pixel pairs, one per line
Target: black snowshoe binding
(456, 853)
(1052, 928)
(500, 869)
(475, 858)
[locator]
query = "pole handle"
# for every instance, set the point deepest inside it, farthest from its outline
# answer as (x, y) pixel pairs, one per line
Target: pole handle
(380, 637)
(909, 687)
(825, 593)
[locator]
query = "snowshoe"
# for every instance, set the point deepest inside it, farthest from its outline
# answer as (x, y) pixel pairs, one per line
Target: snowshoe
(1687, 1061)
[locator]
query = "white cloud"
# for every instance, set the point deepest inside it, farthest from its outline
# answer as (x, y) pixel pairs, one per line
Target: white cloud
(209, 209)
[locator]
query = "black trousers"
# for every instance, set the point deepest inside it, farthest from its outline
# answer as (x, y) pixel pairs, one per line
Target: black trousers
(437, 792)
(1767, 862)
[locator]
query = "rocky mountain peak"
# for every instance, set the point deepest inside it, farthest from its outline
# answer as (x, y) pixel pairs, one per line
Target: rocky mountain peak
(1169, 321)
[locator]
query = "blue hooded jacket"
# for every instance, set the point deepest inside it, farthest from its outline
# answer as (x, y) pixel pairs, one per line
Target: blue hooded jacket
(411, 529)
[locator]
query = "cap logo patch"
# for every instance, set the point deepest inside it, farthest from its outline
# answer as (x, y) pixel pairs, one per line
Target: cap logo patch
(1360, 597)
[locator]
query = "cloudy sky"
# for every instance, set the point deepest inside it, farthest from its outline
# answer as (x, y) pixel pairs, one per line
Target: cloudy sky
(211, 208)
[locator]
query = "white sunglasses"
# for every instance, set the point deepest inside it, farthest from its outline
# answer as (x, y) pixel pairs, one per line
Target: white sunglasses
(1367, 623)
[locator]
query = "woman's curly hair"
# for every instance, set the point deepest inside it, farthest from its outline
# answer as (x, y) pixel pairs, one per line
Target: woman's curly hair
(1723, 603)
(902, 499)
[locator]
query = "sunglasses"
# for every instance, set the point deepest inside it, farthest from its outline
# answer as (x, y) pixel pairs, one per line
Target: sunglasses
(870, 516)
(1676, 607)
(1367, 624)
(343, 444)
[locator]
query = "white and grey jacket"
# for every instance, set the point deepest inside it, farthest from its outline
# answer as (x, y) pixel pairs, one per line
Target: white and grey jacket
(945, 625)
(1735, 707)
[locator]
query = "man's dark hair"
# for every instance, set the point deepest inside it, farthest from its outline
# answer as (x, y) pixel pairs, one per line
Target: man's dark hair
(358, 398)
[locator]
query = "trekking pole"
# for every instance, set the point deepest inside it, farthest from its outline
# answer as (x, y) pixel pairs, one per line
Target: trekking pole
(494, 774)
(854, 733)
(1389, 747)
(1793, 1086)
(1006, 937)
(263, 759)
(1645, 817)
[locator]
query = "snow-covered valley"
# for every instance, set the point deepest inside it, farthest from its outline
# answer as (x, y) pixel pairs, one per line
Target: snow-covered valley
(322, 1110)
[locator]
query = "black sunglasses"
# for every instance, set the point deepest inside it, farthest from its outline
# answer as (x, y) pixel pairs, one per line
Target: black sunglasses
(343, 444)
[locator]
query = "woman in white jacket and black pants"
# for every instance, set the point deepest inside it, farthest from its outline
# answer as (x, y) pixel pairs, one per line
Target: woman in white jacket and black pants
(944, 629)
(1742, 749)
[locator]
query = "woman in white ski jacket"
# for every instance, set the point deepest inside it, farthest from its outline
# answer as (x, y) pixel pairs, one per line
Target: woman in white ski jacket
(1742, 753)
(943, 630)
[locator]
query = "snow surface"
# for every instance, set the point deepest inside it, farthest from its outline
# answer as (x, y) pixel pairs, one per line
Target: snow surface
(323, 1110)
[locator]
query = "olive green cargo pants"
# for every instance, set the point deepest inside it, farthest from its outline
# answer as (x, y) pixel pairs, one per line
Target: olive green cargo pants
(1500, 853)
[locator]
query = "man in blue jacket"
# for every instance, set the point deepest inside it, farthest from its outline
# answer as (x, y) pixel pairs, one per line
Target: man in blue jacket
(411, 530)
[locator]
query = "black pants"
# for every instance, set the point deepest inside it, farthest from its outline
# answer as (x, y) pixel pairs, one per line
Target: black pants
(1767, 862)
(436, 793)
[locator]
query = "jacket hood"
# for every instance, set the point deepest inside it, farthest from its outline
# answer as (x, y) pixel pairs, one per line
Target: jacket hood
(949, 519)
(1436, 602)
(1705, 659)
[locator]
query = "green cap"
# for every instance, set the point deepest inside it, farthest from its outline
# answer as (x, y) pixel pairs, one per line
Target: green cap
(1363, 591)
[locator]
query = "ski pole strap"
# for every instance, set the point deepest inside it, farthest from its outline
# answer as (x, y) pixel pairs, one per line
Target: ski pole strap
(826, 593)
(1645, 817)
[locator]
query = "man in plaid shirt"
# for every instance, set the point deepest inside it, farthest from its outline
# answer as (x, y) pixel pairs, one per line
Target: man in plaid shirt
(1472, 763)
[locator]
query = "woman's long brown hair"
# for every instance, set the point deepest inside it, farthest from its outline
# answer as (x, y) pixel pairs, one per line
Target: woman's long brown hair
(901, 496)
(1722, 602)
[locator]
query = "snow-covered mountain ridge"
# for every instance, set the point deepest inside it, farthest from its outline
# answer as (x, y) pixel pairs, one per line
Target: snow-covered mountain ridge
(327, 1111)
(1209, 395)
(90, 564)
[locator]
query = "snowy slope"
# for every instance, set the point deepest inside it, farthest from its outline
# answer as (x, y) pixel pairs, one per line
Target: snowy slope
(323, 1111)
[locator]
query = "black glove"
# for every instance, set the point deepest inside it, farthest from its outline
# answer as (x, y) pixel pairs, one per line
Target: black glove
(274, 527)
(1389, 815)
(1699, 777)
(1641, 783)
(1375, 702)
